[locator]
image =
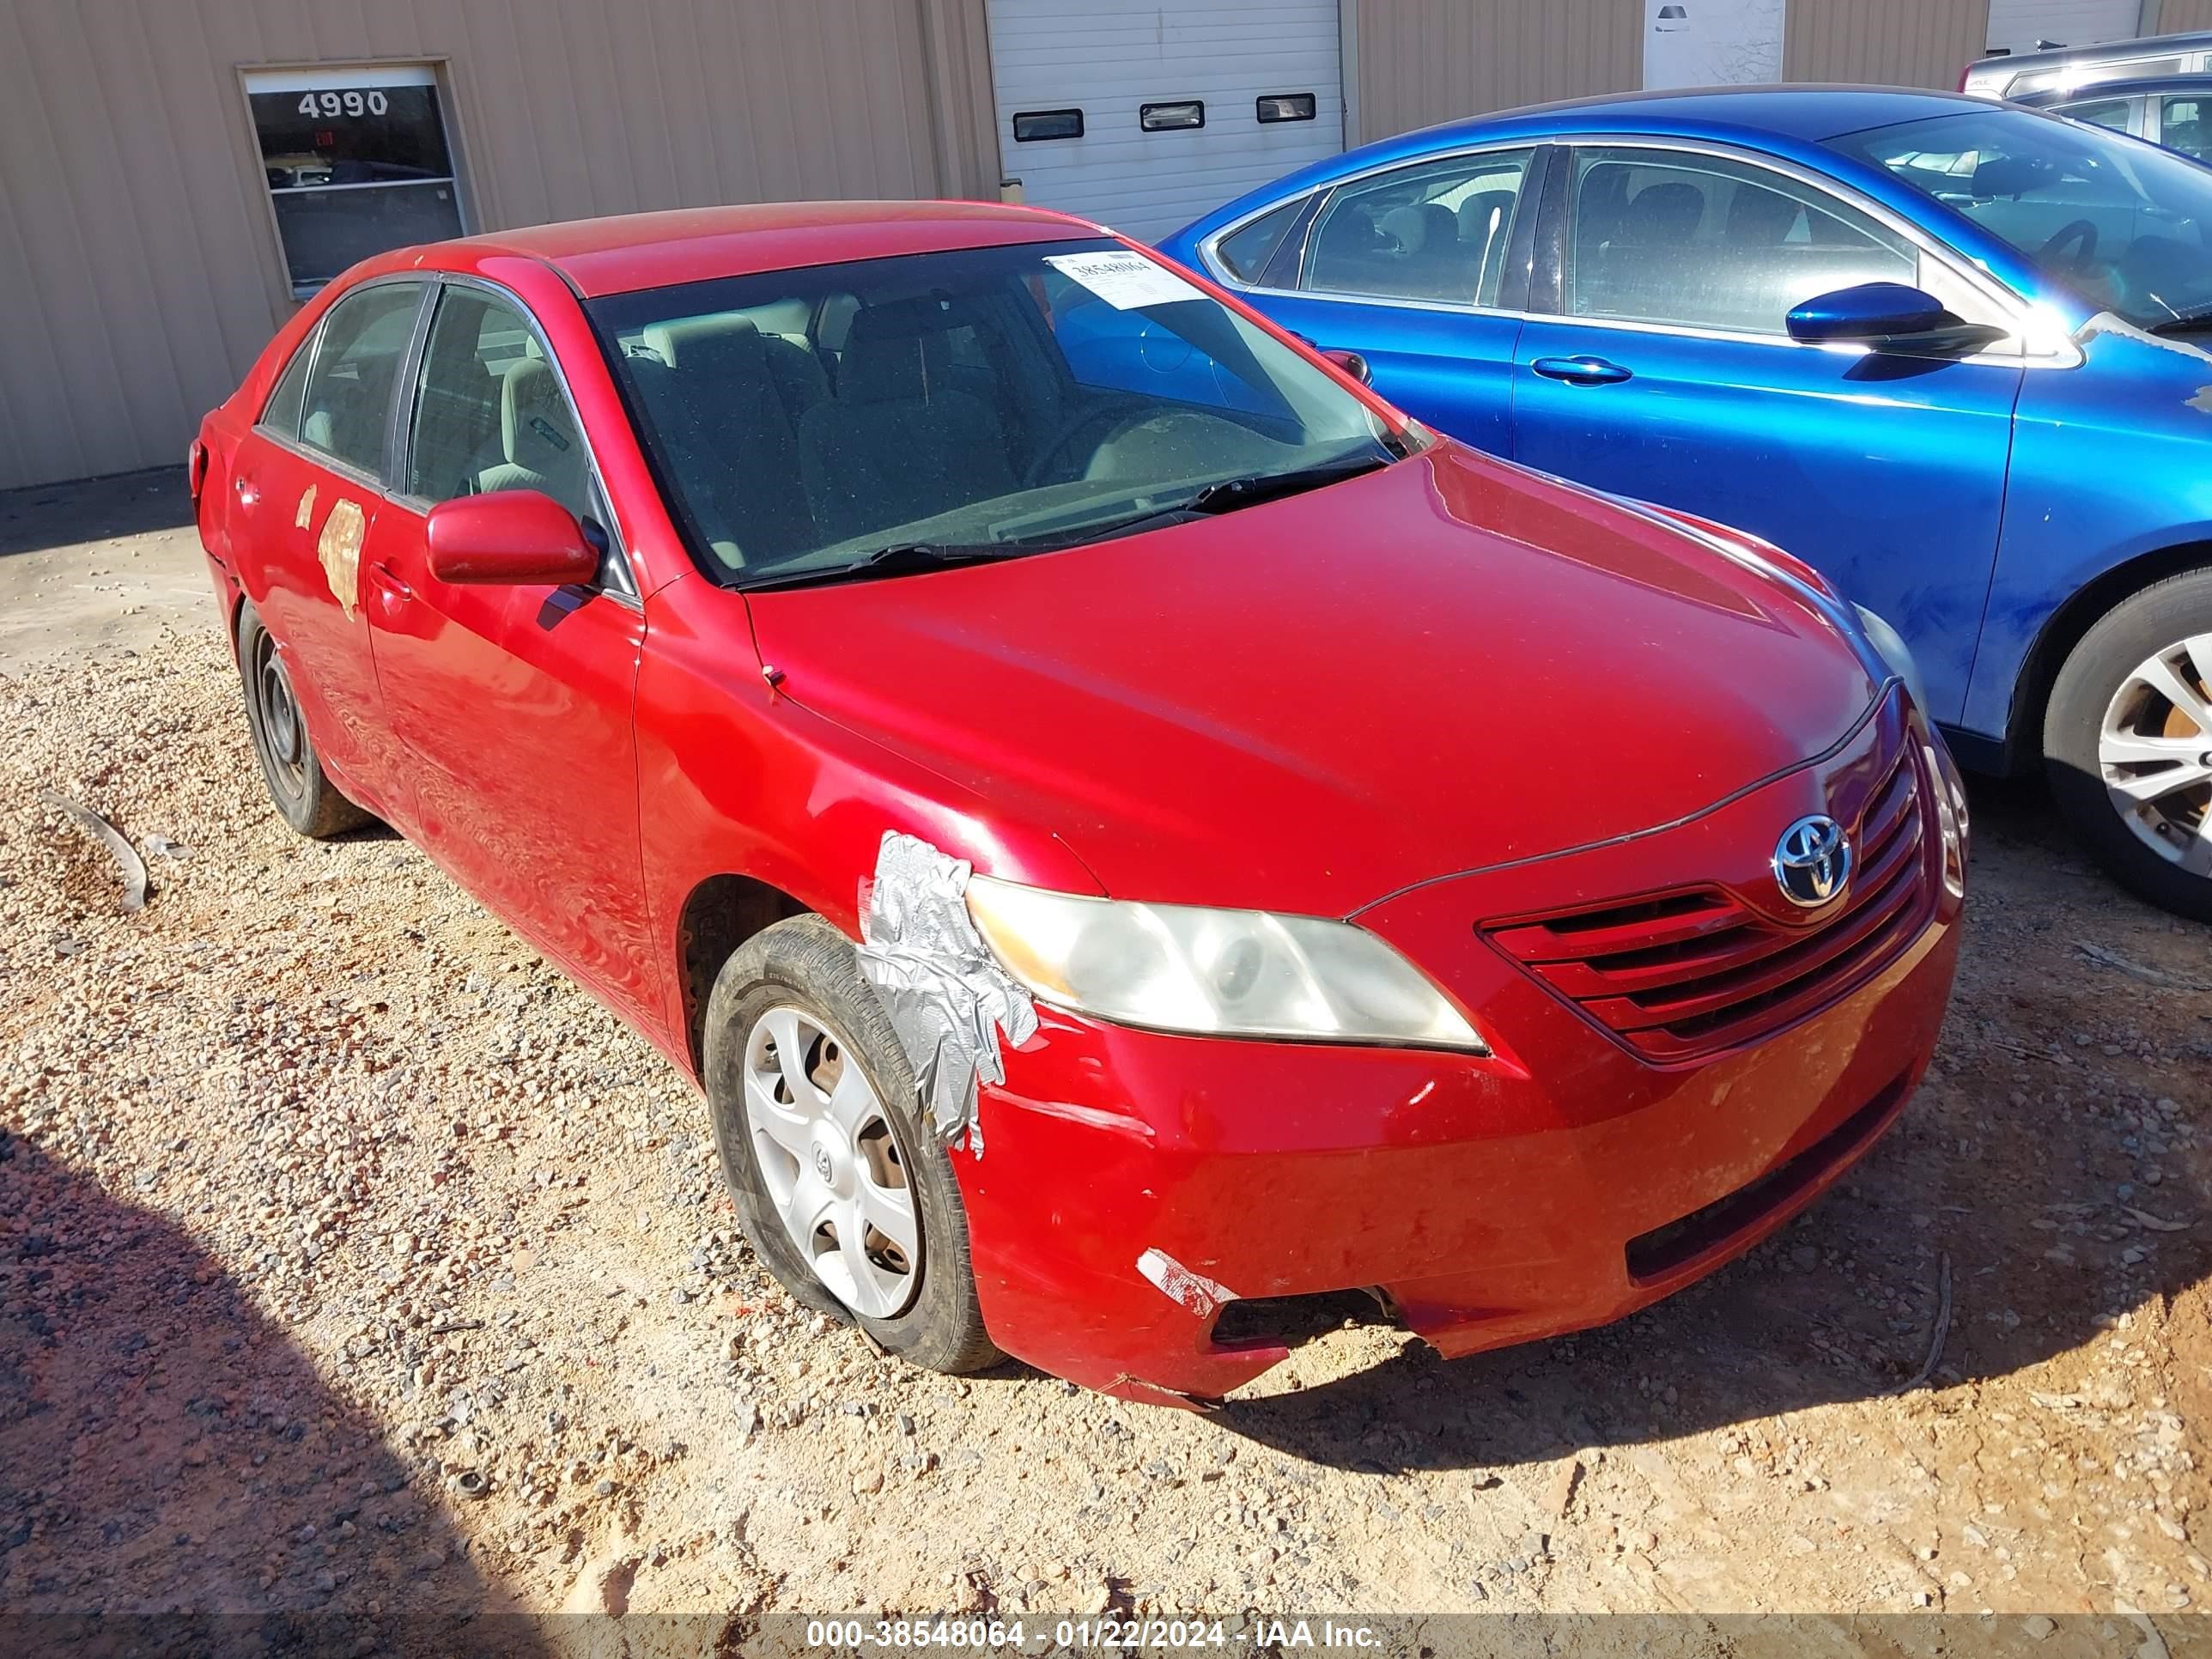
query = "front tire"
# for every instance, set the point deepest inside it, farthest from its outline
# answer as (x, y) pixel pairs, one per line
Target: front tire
(846, 1197)
(2127, 742)
(301, 790)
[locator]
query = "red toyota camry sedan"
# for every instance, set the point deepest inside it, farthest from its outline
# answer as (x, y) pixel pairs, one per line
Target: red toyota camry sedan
(1126, 830)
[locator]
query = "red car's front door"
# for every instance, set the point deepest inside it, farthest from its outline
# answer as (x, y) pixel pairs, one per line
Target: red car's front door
(514, 702)
(306, 495)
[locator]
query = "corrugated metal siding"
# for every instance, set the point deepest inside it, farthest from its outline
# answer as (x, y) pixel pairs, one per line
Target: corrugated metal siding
(959, 50)
(2177, 16)
(138, 266)
(2019, 24)
(1420, 62)
(1897, 43)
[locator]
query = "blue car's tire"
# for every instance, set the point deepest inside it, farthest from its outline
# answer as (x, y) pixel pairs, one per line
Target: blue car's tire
(2127, 743)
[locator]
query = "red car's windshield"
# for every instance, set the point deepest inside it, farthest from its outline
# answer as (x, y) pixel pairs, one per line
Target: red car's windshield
(986, 399)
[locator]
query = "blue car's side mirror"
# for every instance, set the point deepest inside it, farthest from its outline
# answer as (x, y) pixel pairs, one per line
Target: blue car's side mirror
(1890, 318)
(1872, 313)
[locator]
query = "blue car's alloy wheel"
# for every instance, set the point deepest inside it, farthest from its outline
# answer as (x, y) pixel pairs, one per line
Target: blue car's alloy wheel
(2128, 740)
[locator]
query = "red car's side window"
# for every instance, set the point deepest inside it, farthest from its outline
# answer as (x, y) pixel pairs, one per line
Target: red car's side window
(489, 413)
(348, 404)
(281, 415)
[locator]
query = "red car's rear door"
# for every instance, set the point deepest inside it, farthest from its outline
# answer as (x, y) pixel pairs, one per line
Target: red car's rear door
(515, 702)
(307, 492)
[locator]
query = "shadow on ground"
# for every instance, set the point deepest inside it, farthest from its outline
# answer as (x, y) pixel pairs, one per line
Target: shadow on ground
(46, 516)
(174, 1474)
(2027, 1139)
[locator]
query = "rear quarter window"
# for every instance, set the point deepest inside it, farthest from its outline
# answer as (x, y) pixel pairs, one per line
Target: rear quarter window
(1244, 254)
(281, 414)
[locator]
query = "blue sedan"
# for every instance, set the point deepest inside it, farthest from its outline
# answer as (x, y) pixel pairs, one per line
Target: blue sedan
(1952, 354)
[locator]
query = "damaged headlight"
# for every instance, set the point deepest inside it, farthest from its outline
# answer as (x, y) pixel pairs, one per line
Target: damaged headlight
(1226, 973)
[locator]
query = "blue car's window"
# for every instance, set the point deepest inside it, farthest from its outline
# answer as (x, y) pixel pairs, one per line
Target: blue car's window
(982, 400)
(2120, 223)
(1436, 230)
(2181, 126)
(1244, 255)
(1697, 241)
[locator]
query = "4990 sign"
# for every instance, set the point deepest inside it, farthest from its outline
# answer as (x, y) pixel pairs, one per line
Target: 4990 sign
(330, 105)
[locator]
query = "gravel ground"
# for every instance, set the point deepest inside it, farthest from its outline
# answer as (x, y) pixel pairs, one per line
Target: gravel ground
(351, 1259)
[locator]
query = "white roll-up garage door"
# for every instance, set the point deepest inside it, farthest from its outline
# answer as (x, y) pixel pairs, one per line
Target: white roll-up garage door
(1143, 116)
(2017, 25)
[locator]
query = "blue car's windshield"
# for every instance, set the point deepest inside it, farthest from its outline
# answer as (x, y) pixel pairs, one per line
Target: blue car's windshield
(2121, 224)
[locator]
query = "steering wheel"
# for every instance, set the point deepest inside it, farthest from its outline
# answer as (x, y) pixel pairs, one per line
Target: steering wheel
(1117, 410)
(2079, 231)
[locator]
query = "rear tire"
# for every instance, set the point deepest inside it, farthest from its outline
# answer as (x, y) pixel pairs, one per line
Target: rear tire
(2127, 743)
(302, 792)
(832, 1104)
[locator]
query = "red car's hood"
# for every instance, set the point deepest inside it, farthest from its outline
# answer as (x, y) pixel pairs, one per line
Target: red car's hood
(1305, 705)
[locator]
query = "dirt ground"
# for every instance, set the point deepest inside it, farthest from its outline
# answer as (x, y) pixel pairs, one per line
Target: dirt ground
(98, 567)
(351, 1259)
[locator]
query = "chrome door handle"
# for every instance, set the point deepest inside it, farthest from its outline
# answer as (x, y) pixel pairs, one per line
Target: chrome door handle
(1580, 371)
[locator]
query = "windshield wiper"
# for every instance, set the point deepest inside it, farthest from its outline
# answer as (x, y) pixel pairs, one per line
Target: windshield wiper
(1210, 500)
(899, 559)
(906, 559)
(2187, 322)
(1230, 494)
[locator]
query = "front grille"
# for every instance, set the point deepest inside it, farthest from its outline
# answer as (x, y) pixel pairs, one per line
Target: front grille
(1692, 972)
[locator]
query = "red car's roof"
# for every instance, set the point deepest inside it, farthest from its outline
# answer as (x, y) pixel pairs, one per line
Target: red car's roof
(651, 250)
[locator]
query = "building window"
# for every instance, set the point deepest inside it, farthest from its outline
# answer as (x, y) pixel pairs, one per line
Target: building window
(1287, 106)
(1171, 117)
(357, 161)
(1034, 126)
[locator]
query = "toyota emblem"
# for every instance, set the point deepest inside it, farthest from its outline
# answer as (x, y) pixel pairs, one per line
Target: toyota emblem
(1812, 861)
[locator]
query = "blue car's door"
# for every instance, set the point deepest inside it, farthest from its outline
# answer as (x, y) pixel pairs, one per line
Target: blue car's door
(1408, 267)
(1663, 370)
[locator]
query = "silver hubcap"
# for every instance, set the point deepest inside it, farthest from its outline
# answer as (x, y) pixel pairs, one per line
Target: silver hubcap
(2155, 751)
(831, 1163)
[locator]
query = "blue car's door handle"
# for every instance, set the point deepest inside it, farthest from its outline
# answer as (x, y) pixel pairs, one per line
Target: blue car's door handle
(1580, 371)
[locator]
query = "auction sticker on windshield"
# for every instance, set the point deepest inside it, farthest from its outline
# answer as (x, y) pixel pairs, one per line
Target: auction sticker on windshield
(1125, 281)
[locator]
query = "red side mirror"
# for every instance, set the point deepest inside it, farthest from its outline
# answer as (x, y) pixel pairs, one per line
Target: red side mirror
(521, 535)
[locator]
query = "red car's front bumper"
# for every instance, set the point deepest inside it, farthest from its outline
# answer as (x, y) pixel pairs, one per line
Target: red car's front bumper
(1559, 1183)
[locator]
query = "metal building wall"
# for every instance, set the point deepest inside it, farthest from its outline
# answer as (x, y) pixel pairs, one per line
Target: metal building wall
(139, 271)
(1420, 62)
(2174, 16)
(1898, 42)
(1414, 62)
